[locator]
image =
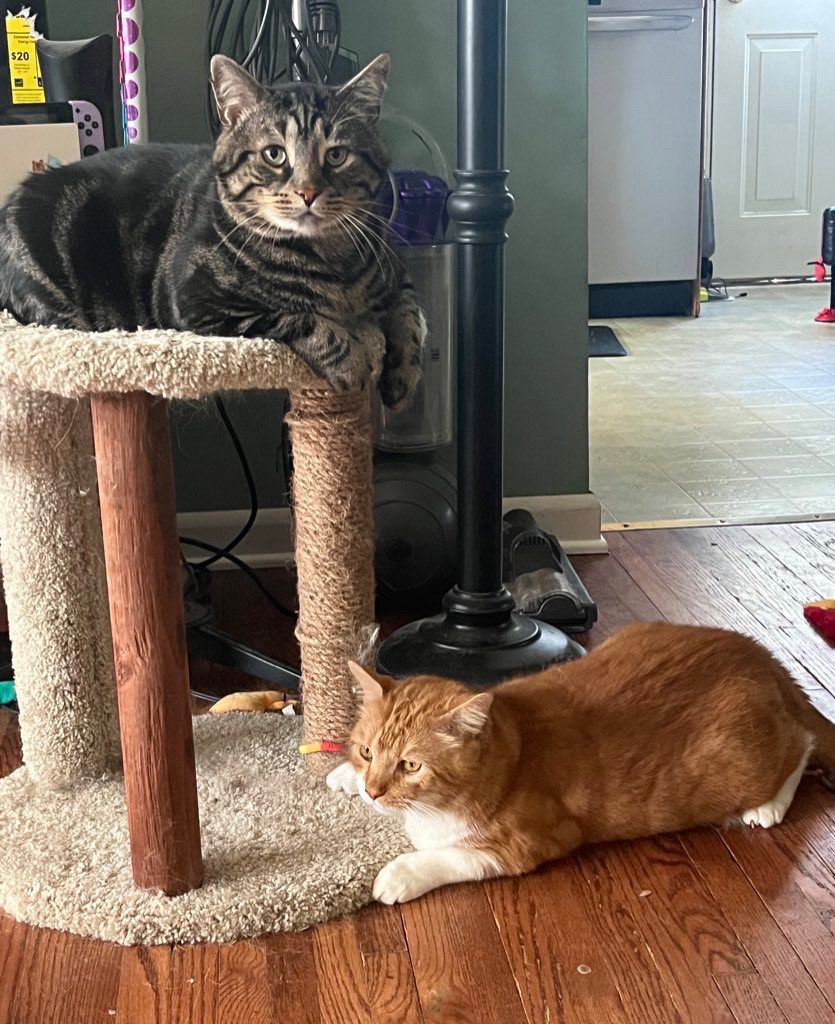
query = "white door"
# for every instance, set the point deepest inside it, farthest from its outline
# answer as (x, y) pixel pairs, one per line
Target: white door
(773, 139)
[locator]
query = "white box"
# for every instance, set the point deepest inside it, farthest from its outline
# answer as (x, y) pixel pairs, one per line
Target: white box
(25, 148)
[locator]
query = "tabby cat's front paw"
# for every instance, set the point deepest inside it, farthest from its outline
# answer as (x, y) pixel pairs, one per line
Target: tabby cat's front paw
(353, 371)
(398, 384)
(339, 353)
(402, 367)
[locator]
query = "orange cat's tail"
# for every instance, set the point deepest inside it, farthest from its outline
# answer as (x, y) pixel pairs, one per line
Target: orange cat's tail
(823, 755)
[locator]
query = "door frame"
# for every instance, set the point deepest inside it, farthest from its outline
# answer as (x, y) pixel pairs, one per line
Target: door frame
(708, 36)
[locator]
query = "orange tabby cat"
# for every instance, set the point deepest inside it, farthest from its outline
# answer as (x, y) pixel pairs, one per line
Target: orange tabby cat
(660, 728)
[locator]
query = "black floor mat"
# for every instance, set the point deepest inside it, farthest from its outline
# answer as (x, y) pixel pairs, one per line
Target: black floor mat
(604, 342)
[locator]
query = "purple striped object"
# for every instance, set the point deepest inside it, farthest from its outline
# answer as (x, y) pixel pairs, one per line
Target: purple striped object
(129, 20)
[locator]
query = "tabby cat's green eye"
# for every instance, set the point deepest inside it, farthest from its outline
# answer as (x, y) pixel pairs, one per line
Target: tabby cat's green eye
(410, 767)
(336, 156)
(274, 155)
(365, 753)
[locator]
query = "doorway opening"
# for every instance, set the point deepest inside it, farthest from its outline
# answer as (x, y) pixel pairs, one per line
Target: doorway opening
(726, 411)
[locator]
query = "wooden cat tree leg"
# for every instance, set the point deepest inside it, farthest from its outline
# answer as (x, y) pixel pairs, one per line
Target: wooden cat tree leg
(136, 487)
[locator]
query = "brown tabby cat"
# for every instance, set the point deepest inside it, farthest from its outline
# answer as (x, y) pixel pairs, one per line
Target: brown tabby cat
(661, 728)
(276, 233)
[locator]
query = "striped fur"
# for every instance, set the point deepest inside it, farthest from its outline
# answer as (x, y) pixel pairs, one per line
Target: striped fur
(273, 234)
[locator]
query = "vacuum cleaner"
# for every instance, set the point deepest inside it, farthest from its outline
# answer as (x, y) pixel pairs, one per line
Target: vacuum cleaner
(542, 581)
(416, 519)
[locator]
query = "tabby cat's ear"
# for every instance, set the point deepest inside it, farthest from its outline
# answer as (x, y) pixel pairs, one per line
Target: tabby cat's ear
(235, 90)
(366, 89)
(371, 687)
(468, 719)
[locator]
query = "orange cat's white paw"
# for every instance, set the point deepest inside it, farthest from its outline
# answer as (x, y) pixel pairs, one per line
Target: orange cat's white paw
(412, 874)
(343, 779)
(769, 814)
(403, 879)
(764, 817)
(773, 811)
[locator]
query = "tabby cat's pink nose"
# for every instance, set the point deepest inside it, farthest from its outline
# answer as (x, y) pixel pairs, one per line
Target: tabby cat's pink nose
(374, 793)
(309, 195)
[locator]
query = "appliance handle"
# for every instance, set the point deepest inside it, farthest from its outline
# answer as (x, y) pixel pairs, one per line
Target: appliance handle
(640, 22)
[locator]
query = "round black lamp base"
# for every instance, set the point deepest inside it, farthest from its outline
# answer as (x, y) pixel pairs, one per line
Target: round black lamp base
(478, 640)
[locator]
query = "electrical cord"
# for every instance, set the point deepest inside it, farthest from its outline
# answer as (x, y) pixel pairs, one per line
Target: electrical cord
(317, 14)
(256, 32)
(718, 288)
(250, 483)
(259, 36)
(305, 45)
(252, 35)
(247, 569)
(226, 551)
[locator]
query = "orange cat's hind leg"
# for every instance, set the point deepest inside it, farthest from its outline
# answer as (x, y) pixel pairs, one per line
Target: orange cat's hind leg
(773, 811)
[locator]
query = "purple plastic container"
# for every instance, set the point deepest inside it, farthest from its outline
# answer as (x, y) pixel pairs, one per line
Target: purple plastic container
(421, 217)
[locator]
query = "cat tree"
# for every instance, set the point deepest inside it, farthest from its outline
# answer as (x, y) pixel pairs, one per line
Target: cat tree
(66, 516)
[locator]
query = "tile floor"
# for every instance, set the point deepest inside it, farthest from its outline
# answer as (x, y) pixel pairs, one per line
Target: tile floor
(731, 415)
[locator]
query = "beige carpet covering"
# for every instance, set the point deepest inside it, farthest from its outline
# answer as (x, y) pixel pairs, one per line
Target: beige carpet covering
(174, 364)
(281, 851)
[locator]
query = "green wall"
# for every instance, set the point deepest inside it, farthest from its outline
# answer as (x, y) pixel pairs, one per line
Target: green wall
(546, 446)
(546, 449)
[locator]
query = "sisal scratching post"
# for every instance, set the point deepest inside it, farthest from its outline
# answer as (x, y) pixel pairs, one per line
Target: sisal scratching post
(51, 558)
(332, 498)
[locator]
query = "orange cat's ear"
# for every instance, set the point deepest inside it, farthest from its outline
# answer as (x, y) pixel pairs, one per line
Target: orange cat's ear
(469, 718)
(370, 686)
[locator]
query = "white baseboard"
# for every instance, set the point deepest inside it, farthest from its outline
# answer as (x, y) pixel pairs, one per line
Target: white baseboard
(574, 518)
(268, 543)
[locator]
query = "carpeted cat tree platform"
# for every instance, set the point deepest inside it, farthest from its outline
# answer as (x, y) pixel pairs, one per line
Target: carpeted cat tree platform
(129, 820)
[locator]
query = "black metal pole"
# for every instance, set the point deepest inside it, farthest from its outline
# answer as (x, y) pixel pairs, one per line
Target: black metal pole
(480, 638)
(480, 207)
(480, 419)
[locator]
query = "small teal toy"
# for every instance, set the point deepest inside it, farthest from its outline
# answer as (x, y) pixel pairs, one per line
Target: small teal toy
(7, 693)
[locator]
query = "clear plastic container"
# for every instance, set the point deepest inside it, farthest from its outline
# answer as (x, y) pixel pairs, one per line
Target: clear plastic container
(425, 423)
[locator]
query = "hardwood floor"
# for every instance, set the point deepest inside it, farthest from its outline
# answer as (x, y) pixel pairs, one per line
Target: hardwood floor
(707, 927)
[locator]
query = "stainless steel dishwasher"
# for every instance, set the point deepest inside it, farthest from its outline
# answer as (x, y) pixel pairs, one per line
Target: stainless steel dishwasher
(645, 159)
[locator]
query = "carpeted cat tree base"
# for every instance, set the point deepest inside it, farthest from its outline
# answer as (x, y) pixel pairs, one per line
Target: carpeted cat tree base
(281, 851)
(88, 546)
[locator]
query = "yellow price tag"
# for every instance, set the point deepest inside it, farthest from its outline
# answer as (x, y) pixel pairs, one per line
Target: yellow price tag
(24, 70)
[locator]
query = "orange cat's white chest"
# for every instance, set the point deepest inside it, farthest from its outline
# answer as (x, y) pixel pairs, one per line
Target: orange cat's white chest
(427, 829)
